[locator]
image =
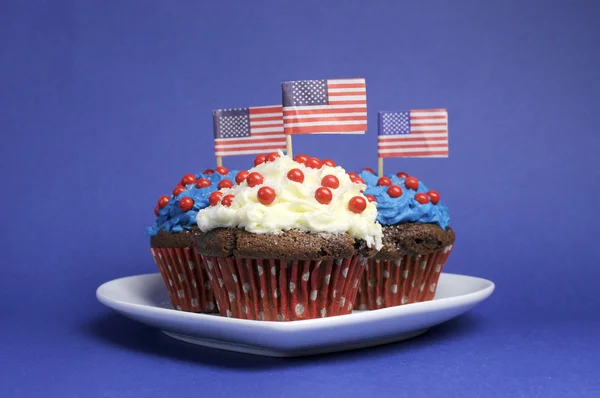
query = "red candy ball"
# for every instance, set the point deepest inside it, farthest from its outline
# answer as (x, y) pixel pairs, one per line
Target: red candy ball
(222, 170)
(156, 211)
(266, 195)
(178, 189)
(215, 198)
(323, 195)
(254, 179)
(370, 170)
(313, 163)
(371, 198)
(352, 175)
(422, 198)
(203, 183)
(434, 196)
(241, 176)
(357, 204)
(162, 201)
(357, 180)
(209, 171)
(394, 191)
(401, 175)
(225, 184)
(272, 156)
(329, 162)
(186, 204)
(411, 183)
(260, 159)
(188, 179)
(330, 181)
(296, 175)
(301, 158)
(384, 181)
(226, 201)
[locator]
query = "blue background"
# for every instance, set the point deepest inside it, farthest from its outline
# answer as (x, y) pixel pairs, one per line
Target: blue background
(104, 105)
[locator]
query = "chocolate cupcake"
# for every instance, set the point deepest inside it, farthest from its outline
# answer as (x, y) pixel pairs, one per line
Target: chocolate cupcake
(172, 239)
(417, 241)
(288, 243)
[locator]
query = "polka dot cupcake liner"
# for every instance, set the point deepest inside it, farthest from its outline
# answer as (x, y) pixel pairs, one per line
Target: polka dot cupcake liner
(280, 290)
(405, 280)
(185, 278)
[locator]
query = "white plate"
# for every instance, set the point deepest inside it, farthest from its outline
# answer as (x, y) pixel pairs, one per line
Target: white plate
(144, 298)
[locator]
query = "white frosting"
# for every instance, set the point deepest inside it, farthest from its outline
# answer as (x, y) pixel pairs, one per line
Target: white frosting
(295, 206)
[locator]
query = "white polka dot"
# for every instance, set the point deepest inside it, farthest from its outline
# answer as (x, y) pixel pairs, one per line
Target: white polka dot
(181, 293)
(423, 264)
(372, 282)
(299, 309)
(404, 299)
(210, 264)
(246, 287)
(160, 255)
(179, 307)
(280, 317)
(210, 276)
(386, 274)
(377, 262)
(193, 283)
(210, 305)
(220, 267)
(405, 274)
(170, 282)
(414, 283)
(394, 288)
(350, 307)
(234, 276)
(367, 267)
(345, 272)
(313, 295)
(379, 300)
(398, 263)
(261, 316)
(262, 294)
(432, 287)
(191, 265)
(260, 270)
(363, 307)
(275, 294)
(334, 293)
(318, 265)
(231, 296)
(181, 277)
(194, 302)
(244, 309)
(355, 283)
(438, 268)
(292, 287)
(305, 276)
(362, 261)
(323, 312)
(338, 261)
(273, 270)
(342, 301)
(228, 312)
(327, 278)
(170, 268)
(422, 286)
(220, 282)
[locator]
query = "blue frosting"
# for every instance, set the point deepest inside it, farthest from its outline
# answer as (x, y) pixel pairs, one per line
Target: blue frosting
(405, 208)
(172, 219)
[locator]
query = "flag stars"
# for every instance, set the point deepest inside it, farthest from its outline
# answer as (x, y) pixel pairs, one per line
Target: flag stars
(396, 123)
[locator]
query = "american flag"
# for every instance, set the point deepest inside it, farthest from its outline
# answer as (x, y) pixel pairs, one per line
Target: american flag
(335, 106)
(415, 133)
(244, 131)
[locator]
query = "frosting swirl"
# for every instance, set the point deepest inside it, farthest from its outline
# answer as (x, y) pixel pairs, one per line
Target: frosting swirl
(404, 208)
(295, 206)
(172, 219)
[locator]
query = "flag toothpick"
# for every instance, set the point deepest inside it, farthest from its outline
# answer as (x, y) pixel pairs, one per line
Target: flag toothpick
(288, 146)
(219, 161)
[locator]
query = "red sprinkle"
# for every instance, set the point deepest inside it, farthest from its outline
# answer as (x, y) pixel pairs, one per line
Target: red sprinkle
(178, 189)
(323, 195)
(162, 201)
(371, 198)
(222, 170)
(434, 196)
(203, 183)
(329, 162)
(357, 204)
(422, 198)
(186, 204)
(215, 198)
(260, 159)
(188, 179)
(302, 158)
(254, 179)
(384, 181)
(411, 183)
(225, 184)
(226, 201)
(296, 175)
(394, 191)
(330, 181)
(313, 163)
(241, 176)
(266, 195)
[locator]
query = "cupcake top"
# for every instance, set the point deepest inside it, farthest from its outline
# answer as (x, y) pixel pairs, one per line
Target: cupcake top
(284, 195)
(404, 199)
(177, 212)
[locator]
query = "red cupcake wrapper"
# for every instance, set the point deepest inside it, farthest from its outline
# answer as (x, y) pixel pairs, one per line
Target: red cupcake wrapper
(185, 278)
(405, 280)
(280, 290)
